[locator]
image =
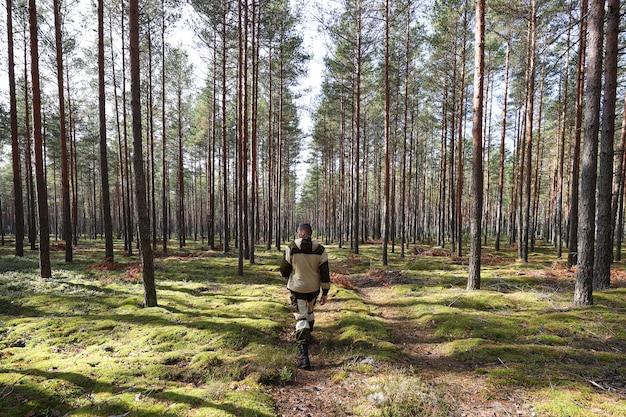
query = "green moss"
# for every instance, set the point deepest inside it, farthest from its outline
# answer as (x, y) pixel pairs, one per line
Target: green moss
(570, 401)
(548, 339)
(81, 343)
(517, 377)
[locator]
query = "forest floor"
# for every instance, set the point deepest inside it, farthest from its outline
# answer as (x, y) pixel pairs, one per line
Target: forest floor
(404, 340)
(454, 384)
(315, 394)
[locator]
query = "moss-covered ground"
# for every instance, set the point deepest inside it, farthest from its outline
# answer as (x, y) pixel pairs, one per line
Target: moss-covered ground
(403, 340)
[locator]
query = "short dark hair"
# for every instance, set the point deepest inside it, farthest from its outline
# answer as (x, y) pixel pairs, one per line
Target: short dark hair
(306, 227)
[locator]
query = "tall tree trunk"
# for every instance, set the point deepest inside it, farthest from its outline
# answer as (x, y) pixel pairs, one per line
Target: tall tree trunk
(150, 157)
(343, 216)
(487, 124)
(530, 101)
(241, 135)
(120, 147)
(502, 147)
(618, 196)
(356, 132)
(604, 219)
(473, 280)
(150, 298)
(65, 180)
(28, 158)
(42, 188)
(182, 232)
(280, 181)
(15, 141)
(254, 197)
(129, 207)
(225, 213)
(405, 129)
(443, 172)
(461, 145)
(73, 164)
(536, 183)
(211, 158)
(270, 154)
(451, 128)
(561, 152)
(583, 292)
(164, 164)
(387, 173)
(245, 135)
(104, 162)
(572, 243)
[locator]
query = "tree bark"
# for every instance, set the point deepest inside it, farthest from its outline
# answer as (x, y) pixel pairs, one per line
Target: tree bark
(104, 162)
(572, 244)
(15, 142)
(356, 195)
(150, 156)
(241, 134)
(530, 100)
(150, 298)
(618, 196)
(604, 219)
(270, 155)
(164, 164)
(254, 185)
(28, 158)
(387, 173)
(129, 207)
(225, 213)
(120, 148)
(502, 148)
(461, 145)
(182, 231)
(583, 292)
(473, 281)
(65, 180)
(42, 188)
(405, 129)
(561, 153)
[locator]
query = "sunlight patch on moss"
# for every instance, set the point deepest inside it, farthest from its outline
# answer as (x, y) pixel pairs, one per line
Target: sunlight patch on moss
(577, 402)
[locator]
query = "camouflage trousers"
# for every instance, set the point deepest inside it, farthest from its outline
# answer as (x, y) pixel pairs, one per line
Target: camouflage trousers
(302, 306)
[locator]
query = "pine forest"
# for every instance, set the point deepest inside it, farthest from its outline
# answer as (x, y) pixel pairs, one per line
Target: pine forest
(321, 208)
(455, 123)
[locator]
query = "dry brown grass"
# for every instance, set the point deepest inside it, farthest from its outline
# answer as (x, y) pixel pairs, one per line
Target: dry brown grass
(618, 278)
(372, 278)
(132, 270)
(340, 280)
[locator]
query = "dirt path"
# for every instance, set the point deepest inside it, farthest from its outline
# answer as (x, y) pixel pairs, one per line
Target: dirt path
(313, 393)
(467, 390)
(316, 394)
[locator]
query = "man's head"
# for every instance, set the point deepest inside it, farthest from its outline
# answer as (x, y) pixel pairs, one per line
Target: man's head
(304, 230)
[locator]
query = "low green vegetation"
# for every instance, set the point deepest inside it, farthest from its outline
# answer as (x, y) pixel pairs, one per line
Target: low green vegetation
(81, 344)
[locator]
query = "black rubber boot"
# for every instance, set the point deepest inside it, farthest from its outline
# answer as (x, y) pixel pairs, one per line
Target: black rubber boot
(311, 323)
(303, 357)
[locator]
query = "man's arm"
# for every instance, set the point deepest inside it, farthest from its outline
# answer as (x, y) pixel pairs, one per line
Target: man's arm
(285, 265)
(324, 276)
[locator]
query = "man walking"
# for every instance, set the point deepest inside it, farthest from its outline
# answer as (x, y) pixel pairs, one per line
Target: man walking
(305, 267)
